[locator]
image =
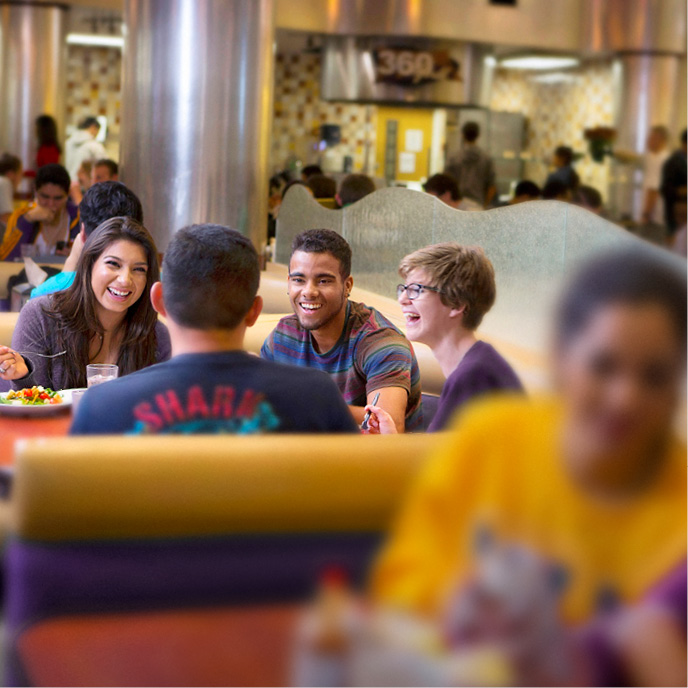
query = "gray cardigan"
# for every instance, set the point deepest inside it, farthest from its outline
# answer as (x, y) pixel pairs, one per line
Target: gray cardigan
(35, 331)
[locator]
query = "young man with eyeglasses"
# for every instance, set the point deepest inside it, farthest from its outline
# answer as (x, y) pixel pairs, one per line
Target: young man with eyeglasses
(363, 352)
(448, 289)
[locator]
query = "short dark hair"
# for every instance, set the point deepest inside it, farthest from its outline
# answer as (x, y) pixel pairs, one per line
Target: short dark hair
(324, 241)
(210, 277)
(565, 153)
(88, 122)
(310, 170)
(53, 173)
(112, 166)
(471, 131)
(108, 199)
(9, 163)
(354, 187)
(322, 186)
(587, 196)
(553, 189)
(439, 184)
(46, 131)
(292, 183)
(627, 276)
(527, 188)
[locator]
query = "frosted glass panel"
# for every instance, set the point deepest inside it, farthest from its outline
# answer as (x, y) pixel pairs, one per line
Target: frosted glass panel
(531, 245)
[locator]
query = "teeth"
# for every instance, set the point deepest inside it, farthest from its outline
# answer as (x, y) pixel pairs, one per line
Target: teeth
(311, 306)
(116, 292)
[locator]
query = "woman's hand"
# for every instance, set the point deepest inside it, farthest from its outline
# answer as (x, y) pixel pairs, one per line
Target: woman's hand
(380, 422)
(12, 365)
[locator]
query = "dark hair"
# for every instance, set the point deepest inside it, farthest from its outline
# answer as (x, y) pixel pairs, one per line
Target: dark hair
(310, 170)
(9, 163)
(53, 173)
(354, 187)
(628, 276)
(325, 241)
(210, 277)
(74, 309)
(587, 196)
(112, 166)
(565, 153)
(106, 200)
(471, 131)
(527, 188)
(553, 189)
(322, 186)
(439, 184)
(293, 182)
(46, 132)
(88, 122)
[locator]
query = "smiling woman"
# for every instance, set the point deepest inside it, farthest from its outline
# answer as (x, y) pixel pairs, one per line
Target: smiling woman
(105, 317)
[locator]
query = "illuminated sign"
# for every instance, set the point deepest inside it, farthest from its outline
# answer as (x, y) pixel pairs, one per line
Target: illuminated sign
(413, 67)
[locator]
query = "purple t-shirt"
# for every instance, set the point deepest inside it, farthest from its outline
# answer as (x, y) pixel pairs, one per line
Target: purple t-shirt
(481, 370)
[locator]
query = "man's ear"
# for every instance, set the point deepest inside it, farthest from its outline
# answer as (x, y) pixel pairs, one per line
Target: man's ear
(82, 231)
(157, 299)
(339, 200)
(349, 284)
(254, 311)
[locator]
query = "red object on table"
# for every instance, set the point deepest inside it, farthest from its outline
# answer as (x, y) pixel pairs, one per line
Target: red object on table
(13, 428)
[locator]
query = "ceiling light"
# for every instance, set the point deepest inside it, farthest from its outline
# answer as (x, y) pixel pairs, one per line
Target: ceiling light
(539, 62)
(554, 78)
(95, 39)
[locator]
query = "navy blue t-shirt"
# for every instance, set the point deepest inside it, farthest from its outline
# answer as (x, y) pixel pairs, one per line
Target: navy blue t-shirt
(226, 392)
(481, 370)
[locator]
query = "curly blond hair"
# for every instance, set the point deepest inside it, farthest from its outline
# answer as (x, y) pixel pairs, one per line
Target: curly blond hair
(464, 275)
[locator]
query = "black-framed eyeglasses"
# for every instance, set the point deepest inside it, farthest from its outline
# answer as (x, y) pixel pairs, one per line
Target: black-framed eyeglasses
(413, 291)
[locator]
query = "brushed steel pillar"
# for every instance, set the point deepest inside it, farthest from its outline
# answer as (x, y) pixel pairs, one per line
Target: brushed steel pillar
(32, 73)
(196, 112)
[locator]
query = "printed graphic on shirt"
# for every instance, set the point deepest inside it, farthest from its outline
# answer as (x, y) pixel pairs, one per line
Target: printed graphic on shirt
(222, 411)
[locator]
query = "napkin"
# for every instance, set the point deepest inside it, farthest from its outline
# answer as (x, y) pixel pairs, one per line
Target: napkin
(34, 273)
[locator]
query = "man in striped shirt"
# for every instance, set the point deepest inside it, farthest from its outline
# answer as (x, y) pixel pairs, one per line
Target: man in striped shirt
(363, 352)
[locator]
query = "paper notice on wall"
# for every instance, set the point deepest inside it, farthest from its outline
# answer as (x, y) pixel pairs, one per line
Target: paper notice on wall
(407, 163)
(414, 140)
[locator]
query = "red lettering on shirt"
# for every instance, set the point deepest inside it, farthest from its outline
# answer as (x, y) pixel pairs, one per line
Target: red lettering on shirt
(144, 413)
(195, 403)
(223, 402)
(248, 404)
(169, 406)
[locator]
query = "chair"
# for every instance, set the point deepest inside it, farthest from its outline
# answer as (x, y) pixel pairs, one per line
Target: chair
(182, 560)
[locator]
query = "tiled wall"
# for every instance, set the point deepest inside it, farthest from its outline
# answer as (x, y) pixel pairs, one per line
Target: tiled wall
(558, 113)
(94, 86)
(299, 112)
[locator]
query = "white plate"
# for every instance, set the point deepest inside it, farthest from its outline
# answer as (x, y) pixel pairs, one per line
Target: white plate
(16, 408)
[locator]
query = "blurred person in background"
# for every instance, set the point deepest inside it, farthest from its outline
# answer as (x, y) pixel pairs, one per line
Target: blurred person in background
(444, 187)
(592, 481)
(10, 177)
(473, 169)
(357, 346)
(353, 188)
(49, 223)
(82, 146)
(564, 172)
(83, 182)
(49, 149)
(209, 296)
(322, 186)
(656, 156)
(556, 190)
(309, 171)
(101, 202)
(674, 181)
(449, 289)
(106, 315)
(104, 170)
(525, 191)
(589, 198)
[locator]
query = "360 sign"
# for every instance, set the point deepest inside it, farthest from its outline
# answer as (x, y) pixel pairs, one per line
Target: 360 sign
(415, 67)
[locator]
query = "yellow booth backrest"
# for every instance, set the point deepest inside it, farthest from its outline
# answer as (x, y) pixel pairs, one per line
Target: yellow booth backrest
(139, 487)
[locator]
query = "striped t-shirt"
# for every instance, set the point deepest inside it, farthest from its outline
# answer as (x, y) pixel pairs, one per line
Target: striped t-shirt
(370, 354)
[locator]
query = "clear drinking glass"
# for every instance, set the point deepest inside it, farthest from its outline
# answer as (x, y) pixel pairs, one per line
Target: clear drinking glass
(97, 373)
(77, 394)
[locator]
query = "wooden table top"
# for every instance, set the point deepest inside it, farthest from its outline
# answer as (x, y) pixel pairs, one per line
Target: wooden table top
(13, 428)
